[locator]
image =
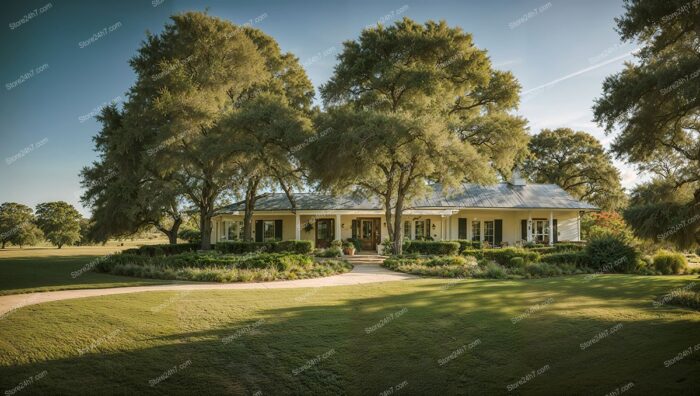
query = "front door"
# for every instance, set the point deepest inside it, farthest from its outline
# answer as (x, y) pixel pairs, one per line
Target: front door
(325, 232)
(369, 233)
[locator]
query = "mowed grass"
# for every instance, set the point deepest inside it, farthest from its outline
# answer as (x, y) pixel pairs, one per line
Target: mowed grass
(363, 339)
(36, 269)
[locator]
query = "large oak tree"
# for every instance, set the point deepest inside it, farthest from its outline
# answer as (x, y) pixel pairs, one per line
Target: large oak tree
(578, 163)
(655, 104)
(124, 195)
(188, 80)
(413, 104)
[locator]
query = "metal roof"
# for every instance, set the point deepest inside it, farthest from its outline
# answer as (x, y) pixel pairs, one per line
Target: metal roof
(502, 195)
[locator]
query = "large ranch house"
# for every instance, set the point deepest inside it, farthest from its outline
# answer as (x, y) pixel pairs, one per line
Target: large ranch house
(504, 214)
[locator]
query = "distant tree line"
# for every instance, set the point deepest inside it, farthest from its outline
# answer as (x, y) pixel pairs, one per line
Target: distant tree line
(56, 222)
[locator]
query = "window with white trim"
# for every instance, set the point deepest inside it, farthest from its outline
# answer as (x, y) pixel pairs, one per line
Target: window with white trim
(476, 230)
(233, 231)
(268, 230)
(407, 229)
(420, 229)
(489, 232)
(540, 230)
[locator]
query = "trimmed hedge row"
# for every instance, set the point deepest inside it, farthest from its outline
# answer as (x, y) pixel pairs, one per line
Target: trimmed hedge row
(505, 256)
(163, 250)
(442, 248)
(465, 244)
(278, 261)
(300, 247)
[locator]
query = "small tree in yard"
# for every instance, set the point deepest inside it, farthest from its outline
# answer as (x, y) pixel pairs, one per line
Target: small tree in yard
(410, 105)
(60, 222)
(17, 225)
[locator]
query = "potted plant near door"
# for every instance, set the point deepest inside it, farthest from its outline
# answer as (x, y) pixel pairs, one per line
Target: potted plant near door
(349, 248)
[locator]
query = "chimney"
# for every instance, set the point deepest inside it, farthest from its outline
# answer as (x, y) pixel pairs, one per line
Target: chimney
(516, 178)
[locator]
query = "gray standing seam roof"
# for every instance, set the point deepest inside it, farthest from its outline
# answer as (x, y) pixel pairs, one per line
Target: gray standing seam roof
(502, 195)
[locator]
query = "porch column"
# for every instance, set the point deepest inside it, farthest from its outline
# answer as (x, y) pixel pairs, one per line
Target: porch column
(529, 227)
(337, 228)
(551, 228)
(578, 226)
(297, 227)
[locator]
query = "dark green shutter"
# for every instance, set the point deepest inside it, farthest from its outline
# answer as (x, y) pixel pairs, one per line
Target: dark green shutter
(428, 231)
(556, 231)
(462, 222)
(498, 237)
(258, 231)
(354, 229)
(523, 230)
(278, 230)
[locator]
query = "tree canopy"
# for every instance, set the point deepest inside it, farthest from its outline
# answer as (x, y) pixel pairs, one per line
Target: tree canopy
(578, 163)
(59, 221)
(17, 225)
(414, 104)
(655, 104)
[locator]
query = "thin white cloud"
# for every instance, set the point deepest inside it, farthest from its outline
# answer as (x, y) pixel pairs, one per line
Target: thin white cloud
(584, 70)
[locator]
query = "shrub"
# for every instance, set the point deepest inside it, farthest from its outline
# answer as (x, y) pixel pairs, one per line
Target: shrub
(448, 267)
(477, 253)
(449, 260)
(214, 267)
(493, 271)
(242, 247)
(330, 252)
(504, 255)
(293, 246)
(356, 242)
(540, 270)
(190, 235)
(166, 250)
(610, 253)
(669, 263)
(336, 243)
(687, 298)
(543, 250)
(533, 245)
(579, 259)
(467, 244)
(569, 246)
(442, 248)
(516, 262)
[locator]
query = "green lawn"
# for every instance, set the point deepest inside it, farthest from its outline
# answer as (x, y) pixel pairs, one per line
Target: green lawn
(47, 268)
(302, 341)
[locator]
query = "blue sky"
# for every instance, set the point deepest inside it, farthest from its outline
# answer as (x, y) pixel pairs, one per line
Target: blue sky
(55, 78)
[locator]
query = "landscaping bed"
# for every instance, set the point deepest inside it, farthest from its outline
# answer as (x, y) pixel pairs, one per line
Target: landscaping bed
(469, 267)
(465, 259)
(220, 267)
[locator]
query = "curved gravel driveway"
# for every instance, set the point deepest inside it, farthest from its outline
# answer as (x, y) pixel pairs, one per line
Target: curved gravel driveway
(364, 273)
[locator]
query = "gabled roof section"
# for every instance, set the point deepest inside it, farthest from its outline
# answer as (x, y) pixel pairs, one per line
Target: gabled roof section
(469, 196)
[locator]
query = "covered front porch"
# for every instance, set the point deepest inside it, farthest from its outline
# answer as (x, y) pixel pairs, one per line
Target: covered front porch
(497, 227)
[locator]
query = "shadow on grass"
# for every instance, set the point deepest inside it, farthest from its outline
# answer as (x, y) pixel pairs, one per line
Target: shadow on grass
(368, 339)
(28, 274)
